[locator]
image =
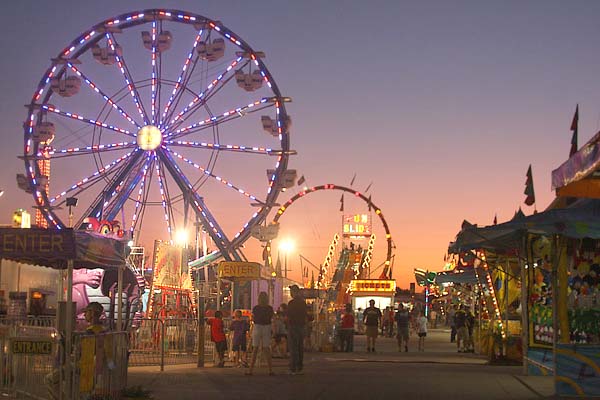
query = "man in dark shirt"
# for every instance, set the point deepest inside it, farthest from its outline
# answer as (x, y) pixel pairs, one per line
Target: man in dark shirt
(297, 315)
(372, 319)
(460, 320)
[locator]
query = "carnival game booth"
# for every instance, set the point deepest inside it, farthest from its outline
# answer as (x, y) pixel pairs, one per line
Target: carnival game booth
(558, 252)
(23, 347)
(490, 290)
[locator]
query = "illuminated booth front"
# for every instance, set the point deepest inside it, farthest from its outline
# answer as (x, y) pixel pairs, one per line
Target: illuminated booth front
(380, 290)
(559, 258)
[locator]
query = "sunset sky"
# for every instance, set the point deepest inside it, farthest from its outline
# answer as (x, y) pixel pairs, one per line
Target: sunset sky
(438, 107)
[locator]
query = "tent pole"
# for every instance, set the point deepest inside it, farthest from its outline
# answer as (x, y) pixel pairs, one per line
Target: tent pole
(120, 298)
(69, 331)
(524, 306)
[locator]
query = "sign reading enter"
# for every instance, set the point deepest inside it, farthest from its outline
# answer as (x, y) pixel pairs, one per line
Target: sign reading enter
(238, 269)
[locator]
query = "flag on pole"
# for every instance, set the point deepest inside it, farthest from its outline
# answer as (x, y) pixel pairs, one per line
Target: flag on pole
(370, 203)
(353, 178)
(574, 128)
(301, 180)
(529, 192)
(342, 203)
(495, 219)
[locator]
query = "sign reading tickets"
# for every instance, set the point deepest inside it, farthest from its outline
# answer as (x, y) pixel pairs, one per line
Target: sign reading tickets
(31, 346)
(239, 269)
(373, 285)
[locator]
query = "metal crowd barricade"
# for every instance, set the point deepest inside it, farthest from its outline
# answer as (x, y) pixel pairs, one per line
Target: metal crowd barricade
(29, 357)
(100, 365)
(168, 342)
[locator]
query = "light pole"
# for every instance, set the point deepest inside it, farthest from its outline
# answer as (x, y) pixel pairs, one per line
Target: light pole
(286, 246)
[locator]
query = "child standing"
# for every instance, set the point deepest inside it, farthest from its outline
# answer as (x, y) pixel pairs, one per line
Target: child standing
(239, 327)
(217, 335)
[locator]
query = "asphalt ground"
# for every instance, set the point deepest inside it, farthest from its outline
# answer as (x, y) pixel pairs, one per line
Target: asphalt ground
(440, 372)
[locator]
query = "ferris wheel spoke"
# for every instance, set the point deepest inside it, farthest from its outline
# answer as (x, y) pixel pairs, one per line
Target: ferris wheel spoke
(161, 185)
(96, 208)
(183, 77)
(93, 178)
(99, 148)
(215, 177)
(215, 120)
(202, 212)
(89, 121)
(154, 73)
(106, 97)
(112, 42)
(223, 147)
(121, 194)
(142, 192)
(201, 98)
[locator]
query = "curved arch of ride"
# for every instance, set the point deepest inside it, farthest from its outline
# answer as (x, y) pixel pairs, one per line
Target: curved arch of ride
(388, 236)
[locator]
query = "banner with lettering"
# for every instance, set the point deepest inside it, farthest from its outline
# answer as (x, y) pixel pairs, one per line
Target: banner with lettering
(239, 270)
(53, 248)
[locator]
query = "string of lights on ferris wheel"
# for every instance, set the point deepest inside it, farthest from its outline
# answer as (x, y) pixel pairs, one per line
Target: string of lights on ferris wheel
(131, 171)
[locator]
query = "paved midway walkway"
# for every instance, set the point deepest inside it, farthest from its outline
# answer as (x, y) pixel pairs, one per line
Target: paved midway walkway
(440, 372)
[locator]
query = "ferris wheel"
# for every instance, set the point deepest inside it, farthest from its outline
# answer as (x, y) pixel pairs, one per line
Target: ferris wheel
(158, 117)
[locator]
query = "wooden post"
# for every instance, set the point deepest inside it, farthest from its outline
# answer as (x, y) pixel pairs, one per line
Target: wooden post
(524, 306)
(120, 298)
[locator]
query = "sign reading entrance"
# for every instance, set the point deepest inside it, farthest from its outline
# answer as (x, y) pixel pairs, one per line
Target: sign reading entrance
(31, 346)
(238, 269)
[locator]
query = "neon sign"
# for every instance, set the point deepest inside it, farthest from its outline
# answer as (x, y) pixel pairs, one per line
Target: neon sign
(372, 285)
(357, 226)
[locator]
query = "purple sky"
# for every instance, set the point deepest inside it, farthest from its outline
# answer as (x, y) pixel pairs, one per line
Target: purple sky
(441, 106)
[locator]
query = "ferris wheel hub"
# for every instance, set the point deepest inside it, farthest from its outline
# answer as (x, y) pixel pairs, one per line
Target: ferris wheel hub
(149, 137)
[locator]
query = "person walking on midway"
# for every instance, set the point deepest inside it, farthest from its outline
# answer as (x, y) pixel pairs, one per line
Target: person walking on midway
(347, 329)
(402, 320)
(297, 316)
(217, 335)
(262, 314)
(462, 332)
(239, 327)
(371, 319)
(422, 331)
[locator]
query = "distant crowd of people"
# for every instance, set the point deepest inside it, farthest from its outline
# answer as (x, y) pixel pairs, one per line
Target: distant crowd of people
(285, 333)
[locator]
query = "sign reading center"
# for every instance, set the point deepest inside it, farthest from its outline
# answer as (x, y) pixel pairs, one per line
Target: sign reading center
(239, 269)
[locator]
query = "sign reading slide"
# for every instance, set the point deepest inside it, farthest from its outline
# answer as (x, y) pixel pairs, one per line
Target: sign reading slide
(357, 226)
(32, 346)
(239, 269)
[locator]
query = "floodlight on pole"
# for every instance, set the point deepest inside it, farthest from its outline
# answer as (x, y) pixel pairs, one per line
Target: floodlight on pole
(286, 246)
(71, 202)
(181, 238)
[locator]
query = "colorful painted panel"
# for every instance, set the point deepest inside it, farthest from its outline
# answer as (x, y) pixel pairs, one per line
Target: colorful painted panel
(577, 370)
